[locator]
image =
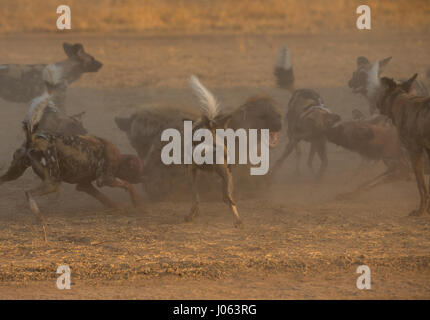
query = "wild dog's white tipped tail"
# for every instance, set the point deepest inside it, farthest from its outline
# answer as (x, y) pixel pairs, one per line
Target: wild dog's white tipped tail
(52, 74)
(283, 60)
(36, 110)
(373, 81)
(284, 69)
(209, 106)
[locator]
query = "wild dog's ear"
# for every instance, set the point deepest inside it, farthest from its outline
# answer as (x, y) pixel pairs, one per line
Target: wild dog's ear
(383, 63)
(124, 124)
(72, 50)
(407, 85)
(362, 60)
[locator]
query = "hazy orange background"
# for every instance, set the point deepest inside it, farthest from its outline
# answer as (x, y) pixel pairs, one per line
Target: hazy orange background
(214, 16)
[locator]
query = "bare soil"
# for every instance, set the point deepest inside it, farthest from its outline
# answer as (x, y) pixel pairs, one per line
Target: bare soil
(298, 241)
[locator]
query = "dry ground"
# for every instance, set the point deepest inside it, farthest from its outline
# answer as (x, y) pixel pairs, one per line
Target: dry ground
(298, 241)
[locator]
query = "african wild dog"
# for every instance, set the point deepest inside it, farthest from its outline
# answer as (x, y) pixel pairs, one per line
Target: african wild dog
(359, 81)
(44, 112)
(76, 160)
(213, 117)
(364, 80)
(307, 118)
(58, 152)
(22, 83)
(411, 116)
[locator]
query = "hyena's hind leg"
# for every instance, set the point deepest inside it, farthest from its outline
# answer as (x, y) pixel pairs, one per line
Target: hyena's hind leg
(194, 211)
(45, 188)
(227, 187)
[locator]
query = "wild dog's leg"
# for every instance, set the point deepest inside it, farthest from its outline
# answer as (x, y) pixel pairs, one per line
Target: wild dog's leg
(386, 177)
(428, 196)
(298, 158)
(311, 157)
(88, 188)
(46, 187)
(289, 148)
(193, 173)
(321, 148)
(227, 182)
(19, 164)
(119, 183)
(417, 160)
(361, 167)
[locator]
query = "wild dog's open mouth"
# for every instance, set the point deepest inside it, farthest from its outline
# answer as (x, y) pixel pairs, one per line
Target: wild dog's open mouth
(273, 138)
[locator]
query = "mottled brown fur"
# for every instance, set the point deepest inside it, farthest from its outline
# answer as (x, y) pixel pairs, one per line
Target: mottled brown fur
(411, 116)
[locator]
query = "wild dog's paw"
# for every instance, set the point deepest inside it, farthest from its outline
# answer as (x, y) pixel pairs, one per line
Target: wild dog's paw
(138, 204)
(189, 218)
(416, 213)
(109, 204)
(141, 209)
(238, 224)
(344, 196)
(119, 210)
(137, 210)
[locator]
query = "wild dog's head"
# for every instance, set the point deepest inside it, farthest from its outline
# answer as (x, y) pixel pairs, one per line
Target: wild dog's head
(320, 118)
(389, 88)
(360, 79)
(86, 61)
(130, 168)
(260, 112)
